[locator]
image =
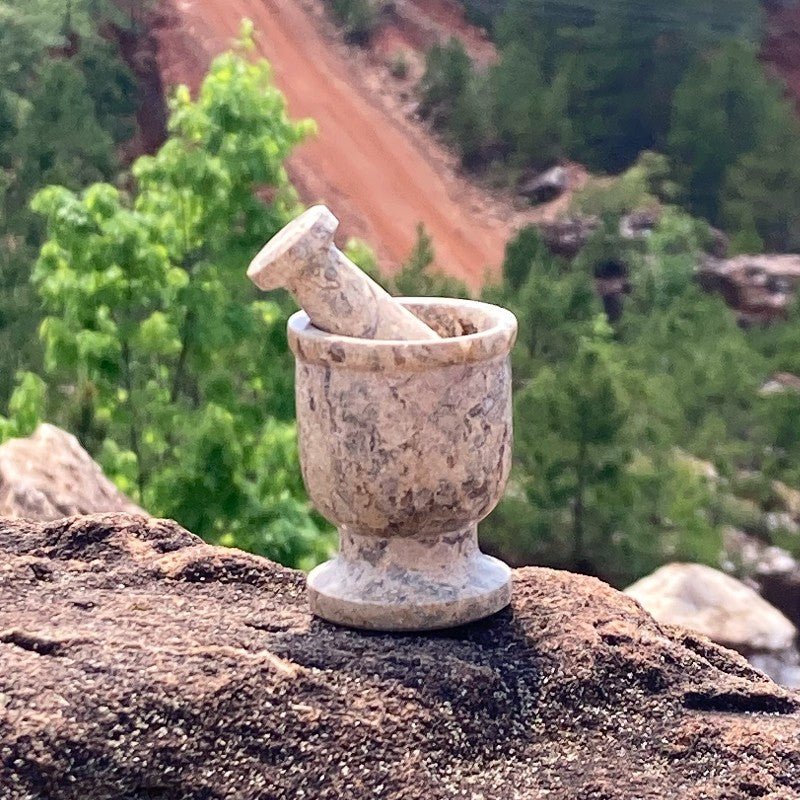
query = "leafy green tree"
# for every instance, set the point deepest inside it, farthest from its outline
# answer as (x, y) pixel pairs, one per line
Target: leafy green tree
(456, 99)
(778, 421)
(709, 371)
(448, 75)
(529, 112)
(25, 408)
(723, 109)
(555, 306)
(664, 272)
(62, 119)
(525, 249)
(620, 65)
(759, 200)
(571, 426)
(416, 277)
(359, 18)
(61, 140)
(157, 355)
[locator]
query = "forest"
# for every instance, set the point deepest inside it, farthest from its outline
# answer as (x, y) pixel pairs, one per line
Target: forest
(125, 319)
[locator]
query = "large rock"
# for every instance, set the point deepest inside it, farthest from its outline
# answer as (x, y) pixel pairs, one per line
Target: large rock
(568, 236)
(546, 186)
(49, 475)
(715, 604)
(759, 287)
(773, 570)
(138, 662)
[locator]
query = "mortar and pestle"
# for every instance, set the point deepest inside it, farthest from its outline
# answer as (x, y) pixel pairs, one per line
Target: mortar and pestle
(404, 426)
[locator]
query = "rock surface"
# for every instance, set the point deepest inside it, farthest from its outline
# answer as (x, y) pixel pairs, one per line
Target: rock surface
(714, 604)
(772, 569)
(567, 236)
(759, 287)
(546, 186)
(138, 662)
(49, 475)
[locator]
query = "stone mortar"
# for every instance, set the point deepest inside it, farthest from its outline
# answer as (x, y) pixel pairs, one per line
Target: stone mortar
(405, 446)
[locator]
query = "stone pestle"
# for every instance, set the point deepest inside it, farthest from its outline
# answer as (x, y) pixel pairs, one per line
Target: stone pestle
(338, 297)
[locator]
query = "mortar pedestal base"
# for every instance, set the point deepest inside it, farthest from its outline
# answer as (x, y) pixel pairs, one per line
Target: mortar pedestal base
(403, 583)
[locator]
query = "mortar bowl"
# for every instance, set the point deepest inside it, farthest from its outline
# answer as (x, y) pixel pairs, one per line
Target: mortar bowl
(406, 446)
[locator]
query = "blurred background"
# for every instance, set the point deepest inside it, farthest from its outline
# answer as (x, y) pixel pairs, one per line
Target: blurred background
(624, 175)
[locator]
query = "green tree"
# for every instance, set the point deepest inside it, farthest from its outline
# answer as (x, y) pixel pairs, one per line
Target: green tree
(179, 381)
(62, 119)
(759, 199)
(416, 277)
(723, 109)
(529, 112)
(709, 371)
(359, 18)
(456, 99)
(571, 425)
(61, 140)
(620, 65)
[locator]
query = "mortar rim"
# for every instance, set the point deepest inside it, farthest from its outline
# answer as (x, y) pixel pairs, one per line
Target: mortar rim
(311, 344)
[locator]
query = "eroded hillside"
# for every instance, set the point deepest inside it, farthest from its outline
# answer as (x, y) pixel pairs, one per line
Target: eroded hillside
(371, 161)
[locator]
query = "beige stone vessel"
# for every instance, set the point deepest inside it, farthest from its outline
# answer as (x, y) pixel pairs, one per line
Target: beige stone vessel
(405, 446)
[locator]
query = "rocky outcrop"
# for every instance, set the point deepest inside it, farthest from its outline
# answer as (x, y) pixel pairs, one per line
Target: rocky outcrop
(715, 604)
(759, 287)
(49, 475)
(781, 382)
(772, 570)
(568, 236)
(546, 186)
(138, 662)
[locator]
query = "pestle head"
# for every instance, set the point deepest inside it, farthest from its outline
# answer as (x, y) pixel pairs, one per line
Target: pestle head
(285, 254)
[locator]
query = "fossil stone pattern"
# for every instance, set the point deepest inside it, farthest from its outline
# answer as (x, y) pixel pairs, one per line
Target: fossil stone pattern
(406, 446)
(337, 296)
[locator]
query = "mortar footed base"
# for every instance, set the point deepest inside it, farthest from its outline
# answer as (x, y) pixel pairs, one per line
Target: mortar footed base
(405, 584)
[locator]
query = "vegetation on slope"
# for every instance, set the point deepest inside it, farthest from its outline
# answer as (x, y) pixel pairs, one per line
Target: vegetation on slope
(171, 371)
(601, 82)
(67, 102)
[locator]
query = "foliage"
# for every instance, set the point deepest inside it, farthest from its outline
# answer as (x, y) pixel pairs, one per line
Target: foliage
(25, 407)
(156, 354)
(529, 112)
(724, 108)
(62, 118)
(604, 418)
(642, 186)
(621, 65)
(358, 17)
(759, 198)
(416, 277)
(665, 271)
(605, 84)
(455, 97)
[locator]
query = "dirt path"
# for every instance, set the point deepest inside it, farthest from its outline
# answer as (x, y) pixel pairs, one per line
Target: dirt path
(378, 172)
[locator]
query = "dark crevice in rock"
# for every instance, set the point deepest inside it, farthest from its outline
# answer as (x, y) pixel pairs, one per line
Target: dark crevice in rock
(712, 699)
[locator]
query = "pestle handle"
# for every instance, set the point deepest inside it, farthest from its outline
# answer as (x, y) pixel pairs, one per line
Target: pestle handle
(337, 296)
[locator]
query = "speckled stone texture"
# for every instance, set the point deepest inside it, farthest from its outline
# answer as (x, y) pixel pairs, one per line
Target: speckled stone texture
(48, 475)
(405, 447)
(337, 296)
(138, 663)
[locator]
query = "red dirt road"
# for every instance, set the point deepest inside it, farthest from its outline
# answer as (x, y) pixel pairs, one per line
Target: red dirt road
(378, 172)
